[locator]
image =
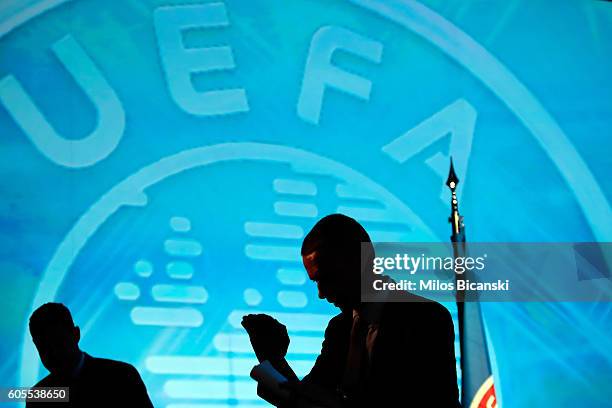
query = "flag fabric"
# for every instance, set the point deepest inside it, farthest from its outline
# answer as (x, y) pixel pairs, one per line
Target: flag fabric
(477, 388)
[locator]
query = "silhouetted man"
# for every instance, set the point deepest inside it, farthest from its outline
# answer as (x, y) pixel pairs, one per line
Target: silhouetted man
(92, 382)
(374, 354)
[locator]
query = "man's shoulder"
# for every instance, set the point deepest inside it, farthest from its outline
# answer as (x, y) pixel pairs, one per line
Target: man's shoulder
(111, 366)
(337, 318)
(121, 376)
(48, 381)
(339, 322)
(416, 309)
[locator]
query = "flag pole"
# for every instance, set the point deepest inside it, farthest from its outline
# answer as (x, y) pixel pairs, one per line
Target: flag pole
(477, 388)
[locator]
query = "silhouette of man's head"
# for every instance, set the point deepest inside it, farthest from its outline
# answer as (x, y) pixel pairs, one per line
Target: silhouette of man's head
(332, 256)
(56, 337)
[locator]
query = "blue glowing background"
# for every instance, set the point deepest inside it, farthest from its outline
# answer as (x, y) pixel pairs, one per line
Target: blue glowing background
(161, 163)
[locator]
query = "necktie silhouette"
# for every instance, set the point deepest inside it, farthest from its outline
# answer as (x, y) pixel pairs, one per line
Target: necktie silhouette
(357, 358)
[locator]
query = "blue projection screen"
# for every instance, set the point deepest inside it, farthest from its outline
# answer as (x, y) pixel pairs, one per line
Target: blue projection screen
(161, 162)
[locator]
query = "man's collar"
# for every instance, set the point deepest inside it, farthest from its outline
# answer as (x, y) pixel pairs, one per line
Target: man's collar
(369, 312)
(79, 367)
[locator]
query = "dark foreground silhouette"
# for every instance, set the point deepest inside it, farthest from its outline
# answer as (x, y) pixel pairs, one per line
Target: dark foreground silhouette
(374, 354)
(92, 382)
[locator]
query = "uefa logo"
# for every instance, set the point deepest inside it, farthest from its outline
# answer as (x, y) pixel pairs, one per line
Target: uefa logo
(205, 142)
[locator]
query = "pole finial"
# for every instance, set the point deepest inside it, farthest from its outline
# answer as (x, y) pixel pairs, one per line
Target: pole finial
(452, 180)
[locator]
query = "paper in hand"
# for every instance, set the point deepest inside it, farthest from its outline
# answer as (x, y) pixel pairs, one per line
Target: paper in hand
(270, 379)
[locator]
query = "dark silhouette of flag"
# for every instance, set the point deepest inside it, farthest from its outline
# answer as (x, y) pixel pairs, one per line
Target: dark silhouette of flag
(477, 388)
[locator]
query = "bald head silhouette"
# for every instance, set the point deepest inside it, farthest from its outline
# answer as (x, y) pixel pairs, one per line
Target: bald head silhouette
(333, 253)
(56, 338)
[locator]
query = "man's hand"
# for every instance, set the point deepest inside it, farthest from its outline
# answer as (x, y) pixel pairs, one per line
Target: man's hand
(268, 336)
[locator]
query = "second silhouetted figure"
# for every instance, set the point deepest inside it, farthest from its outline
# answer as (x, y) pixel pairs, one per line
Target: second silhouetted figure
(92, 382)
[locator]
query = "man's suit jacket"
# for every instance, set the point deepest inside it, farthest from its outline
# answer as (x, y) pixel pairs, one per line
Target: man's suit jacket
(100, 383)
(412, 362)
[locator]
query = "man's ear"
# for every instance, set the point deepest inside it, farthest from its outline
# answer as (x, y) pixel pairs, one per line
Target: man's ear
(77, 334)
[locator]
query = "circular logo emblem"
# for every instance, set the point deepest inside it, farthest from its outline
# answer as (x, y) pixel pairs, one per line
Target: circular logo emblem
(186, 149)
